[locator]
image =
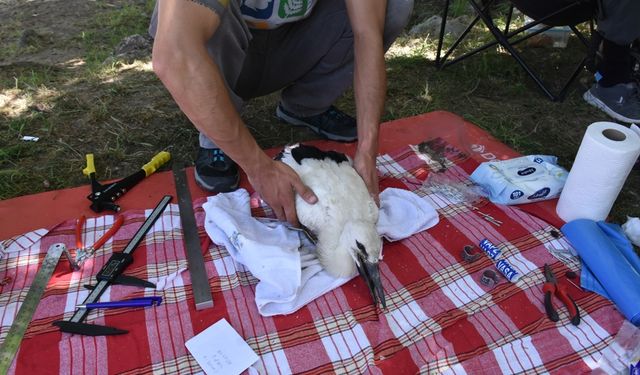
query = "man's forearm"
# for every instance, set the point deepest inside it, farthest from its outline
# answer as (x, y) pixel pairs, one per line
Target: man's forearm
(370, 89)
(197, 86)
(369, 82)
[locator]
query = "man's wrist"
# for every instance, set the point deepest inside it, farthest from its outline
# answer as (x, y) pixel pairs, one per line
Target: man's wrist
(368, 144)
(256, 162)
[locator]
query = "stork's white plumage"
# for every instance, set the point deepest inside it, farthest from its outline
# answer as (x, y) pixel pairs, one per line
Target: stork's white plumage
(344, 218)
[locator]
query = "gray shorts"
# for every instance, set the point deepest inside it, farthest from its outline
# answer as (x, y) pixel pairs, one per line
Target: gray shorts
(619, 20)
(310, 61)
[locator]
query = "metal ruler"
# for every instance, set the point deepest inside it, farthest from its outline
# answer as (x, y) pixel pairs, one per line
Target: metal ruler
(14, 337)
(102, 285)
(195, 260)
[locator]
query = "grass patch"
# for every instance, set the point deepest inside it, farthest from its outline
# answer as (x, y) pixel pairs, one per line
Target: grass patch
(459, 8)
(110, 27)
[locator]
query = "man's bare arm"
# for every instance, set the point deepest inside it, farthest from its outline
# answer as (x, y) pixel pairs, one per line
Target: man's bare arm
(370, 82)
(181, 61)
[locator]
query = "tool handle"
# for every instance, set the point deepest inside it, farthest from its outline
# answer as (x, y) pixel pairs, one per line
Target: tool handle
(90, 168)
(549, 289)
(79, 225)
(119, 304)
(156, 162)
(105, 237)
(572, 308)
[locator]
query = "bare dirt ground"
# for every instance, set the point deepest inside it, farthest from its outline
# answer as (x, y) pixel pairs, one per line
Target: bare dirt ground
(58, 81)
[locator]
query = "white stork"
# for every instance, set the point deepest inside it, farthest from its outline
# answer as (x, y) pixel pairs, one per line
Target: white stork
(344, 218)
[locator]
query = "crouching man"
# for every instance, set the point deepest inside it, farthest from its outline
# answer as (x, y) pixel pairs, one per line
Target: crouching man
(214, 54)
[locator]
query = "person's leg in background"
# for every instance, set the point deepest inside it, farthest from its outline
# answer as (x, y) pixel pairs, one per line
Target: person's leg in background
(616, 92)
(312, 62)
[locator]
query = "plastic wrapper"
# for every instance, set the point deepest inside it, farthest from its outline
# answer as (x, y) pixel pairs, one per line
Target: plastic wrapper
(521, 180)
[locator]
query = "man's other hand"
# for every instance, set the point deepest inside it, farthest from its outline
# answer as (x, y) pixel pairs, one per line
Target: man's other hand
(277, 184)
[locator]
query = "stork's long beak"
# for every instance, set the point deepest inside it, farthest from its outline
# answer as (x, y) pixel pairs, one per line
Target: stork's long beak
(370, 272)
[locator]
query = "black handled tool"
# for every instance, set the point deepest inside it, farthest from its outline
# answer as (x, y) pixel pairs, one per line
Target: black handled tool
(102, 197)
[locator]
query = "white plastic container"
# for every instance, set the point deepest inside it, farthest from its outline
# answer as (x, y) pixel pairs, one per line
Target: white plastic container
(559, 35)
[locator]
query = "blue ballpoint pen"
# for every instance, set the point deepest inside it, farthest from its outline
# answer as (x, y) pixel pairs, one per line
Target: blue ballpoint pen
(134, 302)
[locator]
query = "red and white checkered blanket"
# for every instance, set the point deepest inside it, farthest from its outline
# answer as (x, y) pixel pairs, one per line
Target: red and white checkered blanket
(440, 319)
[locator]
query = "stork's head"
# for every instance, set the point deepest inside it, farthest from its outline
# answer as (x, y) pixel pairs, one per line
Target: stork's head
(365, 247)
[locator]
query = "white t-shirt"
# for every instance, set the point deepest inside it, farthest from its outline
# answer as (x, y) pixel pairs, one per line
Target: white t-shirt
(269, 14)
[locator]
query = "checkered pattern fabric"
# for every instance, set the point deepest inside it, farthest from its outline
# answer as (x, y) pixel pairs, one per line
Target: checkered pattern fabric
(440, 318)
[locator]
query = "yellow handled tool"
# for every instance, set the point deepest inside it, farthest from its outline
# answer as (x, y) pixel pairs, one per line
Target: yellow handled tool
(102, 197)
(90, 168)
(156, 162)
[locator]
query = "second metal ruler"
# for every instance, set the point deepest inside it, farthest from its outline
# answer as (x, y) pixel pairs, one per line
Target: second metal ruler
(195, 260)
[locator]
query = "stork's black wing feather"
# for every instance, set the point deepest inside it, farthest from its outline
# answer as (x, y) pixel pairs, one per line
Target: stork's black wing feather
(310, 152)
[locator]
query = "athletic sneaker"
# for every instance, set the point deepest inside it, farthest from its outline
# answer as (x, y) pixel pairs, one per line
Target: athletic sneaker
(215, 171)
(621, 101)
(332, 124)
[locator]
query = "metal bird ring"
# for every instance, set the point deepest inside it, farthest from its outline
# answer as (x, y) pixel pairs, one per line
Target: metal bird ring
(489, 278)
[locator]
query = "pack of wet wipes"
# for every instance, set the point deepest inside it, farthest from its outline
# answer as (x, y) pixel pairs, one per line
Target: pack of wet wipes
(521, 180)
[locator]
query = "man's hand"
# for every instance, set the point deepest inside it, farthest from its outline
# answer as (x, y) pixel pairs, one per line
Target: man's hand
(366, 168)
(277, 183)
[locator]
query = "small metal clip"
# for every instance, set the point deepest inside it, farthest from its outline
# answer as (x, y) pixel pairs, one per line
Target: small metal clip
(468, 255)
(489, 278)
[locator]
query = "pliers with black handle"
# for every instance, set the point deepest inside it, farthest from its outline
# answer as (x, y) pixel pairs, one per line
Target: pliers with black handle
(103, 196)
(551, 288)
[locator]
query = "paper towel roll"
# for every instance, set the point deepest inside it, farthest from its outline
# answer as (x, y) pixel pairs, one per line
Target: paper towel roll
(605, 158)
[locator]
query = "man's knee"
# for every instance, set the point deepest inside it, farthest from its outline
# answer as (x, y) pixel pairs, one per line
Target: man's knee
(398, 13)
(620, 22)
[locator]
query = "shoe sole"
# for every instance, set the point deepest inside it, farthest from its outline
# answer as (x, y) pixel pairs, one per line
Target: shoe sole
(295, 122)
(222, 187)
(594, 101)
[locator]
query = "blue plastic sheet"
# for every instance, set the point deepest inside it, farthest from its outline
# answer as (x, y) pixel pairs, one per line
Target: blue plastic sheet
(589, 281)
(609, 256)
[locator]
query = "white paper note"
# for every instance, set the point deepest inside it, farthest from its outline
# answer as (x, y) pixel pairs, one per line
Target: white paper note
(219, 349)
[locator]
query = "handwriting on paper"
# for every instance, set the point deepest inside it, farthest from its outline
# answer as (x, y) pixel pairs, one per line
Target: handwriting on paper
(219, 349)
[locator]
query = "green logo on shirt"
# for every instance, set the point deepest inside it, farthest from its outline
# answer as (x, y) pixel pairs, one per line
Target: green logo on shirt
(292, 8)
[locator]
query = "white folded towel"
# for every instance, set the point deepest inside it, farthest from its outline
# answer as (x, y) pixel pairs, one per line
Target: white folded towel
(283, 259)
(403, 213)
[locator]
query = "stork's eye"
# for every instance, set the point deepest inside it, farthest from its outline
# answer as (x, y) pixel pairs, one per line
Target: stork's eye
(361, 248)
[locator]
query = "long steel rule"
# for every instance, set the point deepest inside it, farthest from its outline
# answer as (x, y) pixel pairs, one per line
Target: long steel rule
(195, 260)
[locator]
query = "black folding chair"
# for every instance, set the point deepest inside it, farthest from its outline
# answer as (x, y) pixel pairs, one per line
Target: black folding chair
(554, 13)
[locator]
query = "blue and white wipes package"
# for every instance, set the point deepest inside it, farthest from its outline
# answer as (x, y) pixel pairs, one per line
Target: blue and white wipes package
(521, 180)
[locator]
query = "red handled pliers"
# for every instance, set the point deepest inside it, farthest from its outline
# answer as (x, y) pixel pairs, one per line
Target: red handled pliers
(83, 253)
(550, 288)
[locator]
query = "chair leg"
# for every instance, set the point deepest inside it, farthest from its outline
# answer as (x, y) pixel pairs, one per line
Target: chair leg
(580, 36)
(572, 78)
(504, 40)
(509, 15)
(443, 24)
(441, 62)
(505, 43)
